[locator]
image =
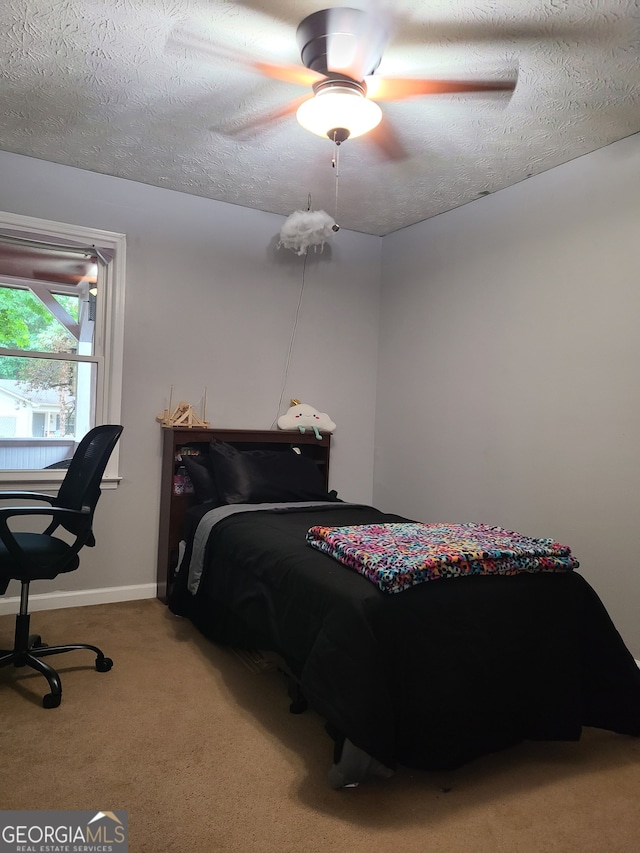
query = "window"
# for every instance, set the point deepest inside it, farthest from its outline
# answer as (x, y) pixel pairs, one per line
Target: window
(7, 425)
(61, 333)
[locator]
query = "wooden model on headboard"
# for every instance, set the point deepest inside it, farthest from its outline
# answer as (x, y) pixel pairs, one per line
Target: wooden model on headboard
(174, 502)
(184, 414)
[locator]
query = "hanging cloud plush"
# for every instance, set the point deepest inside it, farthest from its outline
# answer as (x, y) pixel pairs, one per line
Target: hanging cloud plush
(306, 228)
(302, 416)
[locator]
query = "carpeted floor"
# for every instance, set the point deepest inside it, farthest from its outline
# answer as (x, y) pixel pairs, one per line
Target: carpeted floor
(202, 752)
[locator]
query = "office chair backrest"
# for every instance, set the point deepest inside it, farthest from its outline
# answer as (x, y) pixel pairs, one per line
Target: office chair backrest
(81, 485)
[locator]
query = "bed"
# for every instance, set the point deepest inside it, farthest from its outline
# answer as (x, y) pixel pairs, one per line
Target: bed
(430, 677)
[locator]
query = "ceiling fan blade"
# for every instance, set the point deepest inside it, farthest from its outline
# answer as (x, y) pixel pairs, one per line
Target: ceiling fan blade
(280, 10)
(246, 129)
(412, 33)
(387, 141)
(181, 40)
(286, 72)
(400, 88)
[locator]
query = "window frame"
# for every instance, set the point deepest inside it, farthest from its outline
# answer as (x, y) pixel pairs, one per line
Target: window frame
(109, 335)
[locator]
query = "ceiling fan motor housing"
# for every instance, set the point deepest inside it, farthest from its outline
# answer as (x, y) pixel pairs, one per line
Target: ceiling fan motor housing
(340, 31)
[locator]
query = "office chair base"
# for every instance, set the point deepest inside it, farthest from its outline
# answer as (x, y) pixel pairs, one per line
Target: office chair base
(36, 649)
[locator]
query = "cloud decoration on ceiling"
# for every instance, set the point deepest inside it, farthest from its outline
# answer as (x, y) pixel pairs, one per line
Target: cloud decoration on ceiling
(306, 228)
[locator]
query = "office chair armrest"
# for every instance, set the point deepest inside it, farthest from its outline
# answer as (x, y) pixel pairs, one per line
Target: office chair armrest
(10, 511)
(26, 496)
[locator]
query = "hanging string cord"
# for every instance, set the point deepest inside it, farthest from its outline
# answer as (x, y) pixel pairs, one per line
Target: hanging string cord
(293, 336)
(336, 165)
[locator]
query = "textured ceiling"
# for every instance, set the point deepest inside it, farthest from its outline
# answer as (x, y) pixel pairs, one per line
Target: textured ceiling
(102, 85)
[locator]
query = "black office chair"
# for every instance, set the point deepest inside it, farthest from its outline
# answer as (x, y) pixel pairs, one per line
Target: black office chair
(36, 556)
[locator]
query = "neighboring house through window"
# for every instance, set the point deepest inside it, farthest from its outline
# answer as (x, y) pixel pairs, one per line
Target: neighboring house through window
(61, 332)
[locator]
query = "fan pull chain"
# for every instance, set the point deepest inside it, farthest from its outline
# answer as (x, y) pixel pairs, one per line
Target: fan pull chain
(336, 165)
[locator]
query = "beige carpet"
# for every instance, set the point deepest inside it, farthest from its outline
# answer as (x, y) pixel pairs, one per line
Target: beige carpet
(205, 757)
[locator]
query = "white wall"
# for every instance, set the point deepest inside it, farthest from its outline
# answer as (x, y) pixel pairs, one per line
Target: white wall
(508, 385)
(211, 302)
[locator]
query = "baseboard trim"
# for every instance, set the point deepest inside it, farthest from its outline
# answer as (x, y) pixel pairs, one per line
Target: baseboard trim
(79, 598)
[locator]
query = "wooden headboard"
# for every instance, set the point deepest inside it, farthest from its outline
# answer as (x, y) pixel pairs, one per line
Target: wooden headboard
(174, 503)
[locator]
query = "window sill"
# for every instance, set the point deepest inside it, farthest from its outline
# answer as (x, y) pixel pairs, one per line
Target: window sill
(44, 481)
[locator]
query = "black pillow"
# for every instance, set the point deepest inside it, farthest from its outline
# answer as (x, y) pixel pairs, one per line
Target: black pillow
(200, 474)
(278, 476)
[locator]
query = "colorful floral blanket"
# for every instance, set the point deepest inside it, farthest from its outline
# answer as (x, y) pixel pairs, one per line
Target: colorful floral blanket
(398, 555)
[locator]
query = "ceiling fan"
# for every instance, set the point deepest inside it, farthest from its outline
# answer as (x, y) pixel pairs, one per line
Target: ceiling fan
(340, 49)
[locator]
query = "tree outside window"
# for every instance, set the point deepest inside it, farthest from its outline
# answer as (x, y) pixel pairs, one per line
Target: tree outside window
(27, 324)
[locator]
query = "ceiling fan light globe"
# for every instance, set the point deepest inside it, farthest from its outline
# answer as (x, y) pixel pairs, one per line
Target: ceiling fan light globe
(339, 107)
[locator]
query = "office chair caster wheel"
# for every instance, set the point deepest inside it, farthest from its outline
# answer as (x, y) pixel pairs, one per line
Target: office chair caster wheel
(51, 700)
(103, 664)
(299, 706)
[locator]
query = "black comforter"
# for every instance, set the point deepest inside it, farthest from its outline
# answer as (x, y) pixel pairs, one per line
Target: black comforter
(431, 677)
